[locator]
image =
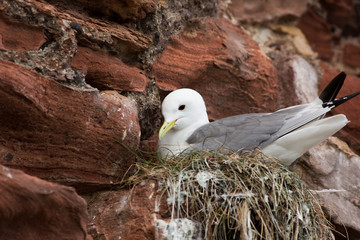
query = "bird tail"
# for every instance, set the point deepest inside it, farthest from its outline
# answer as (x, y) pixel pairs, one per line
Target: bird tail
(339, 101)
(333, 88)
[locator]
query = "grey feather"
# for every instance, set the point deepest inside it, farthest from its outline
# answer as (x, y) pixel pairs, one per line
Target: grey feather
(248, 131)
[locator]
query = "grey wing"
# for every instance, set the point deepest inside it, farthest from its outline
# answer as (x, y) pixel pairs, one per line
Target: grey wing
(248, 131)
(245, 131)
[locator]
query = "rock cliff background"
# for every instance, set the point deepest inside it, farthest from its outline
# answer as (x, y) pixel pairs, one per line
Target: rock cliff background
(81, 84)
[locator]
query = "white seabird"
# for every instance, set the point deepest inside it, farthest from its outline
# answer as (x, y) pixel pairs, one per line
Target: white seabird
(285, 134)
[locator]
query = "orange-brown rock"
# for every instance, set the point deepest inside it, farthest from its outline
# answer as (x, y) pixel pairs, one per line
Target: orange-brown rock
(69, 134)
(62, 134)
(262, 11)
(108, 72)
(351, 55)
(33, 209)
(351, 132)
(338, 11)
(318, 33)
(19, 36)
(118, 10)
(58, 18)
(219, 60)
(127, 214)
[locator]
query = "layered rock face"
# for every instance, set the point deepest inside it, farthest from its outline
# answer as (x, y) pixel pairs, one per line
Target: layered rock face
(82, 81)
(32, 208)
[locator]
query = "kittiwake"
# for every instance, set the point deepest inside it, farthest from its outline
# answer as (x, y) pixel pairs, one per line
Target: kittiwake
(285, 134)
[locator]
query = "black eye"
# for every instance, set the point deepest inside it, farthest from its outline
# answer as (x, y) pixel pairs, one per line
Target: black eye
(181, 107)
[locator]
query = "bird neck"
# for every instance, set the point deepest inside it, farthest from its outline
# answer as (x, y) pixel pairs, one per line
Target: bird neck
(183, 134)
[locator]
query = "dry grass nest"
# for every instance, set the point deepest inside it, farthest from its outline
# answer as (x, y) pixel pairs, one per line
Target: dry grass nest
(237, 196)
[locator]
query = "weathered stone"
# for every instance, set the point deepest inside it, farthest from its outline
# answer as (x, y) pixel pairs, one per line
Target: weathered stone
(127, 214)
(33, 209)
(262, 11)
(351, 55)
(222, 62)
(108, 72)
(332, 169)
(150, 145)
(318, 33)
(170, 18)
(116, 10)
(19, 36)
(62, 134)
(67, 134)
(64, 31)
(298, 81)
(338, 11)
(141, 213)
(351, 132)
(290, 35)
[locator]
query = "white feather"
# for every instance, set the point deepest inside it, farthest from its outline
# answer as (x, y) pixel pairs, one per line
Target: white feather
(291, 146)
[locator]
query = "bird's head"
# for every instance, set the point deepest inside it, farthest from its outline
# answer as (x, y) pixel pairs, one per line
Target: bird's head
(182, 108)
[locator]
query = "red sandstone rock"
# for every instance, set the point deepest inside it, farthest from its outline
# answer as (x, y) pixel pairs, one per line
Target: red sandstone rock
(351, 55)
(223, 63)
(67, 135)
(123, 39)
(62, 134)
(33, 209)
(351, 132)
(338, 11)
(262, 11)
(141, 213)
(127, 214)
(107, 72)
(318, 33)
(124, 10)
(19, 36)
(149, 146)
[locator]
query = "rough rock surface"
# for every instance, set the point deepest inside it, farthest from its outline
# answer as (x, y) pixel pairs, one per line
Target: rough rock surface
(138, 213)
(48, 126)
(65, 29)
(318, 32)
(262, 11)
(108, 72)
(56, 125)
(333, 29)
(351, 55)
(332, 169)
(220, 61)
(33, 209)
(338, 12)
(128, 10)
(127, 214)
(32, 37)
(298, 81)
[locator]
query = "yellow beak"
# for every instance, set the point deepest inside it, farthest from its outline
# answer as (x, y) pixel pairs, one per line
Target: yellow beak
(165, 128)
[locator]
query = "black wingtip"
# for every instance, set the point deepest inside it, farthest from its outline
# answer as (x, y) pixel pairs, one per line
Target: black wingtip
(332, 89)
(339, 101)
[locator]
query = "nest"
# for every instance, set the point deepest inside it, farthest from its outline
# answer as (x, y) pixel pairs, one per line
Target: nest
(237, 196)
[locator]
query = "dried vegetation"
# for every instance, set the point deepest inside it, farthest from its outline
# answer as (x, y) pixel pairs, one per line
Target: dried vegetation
(237, 196)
